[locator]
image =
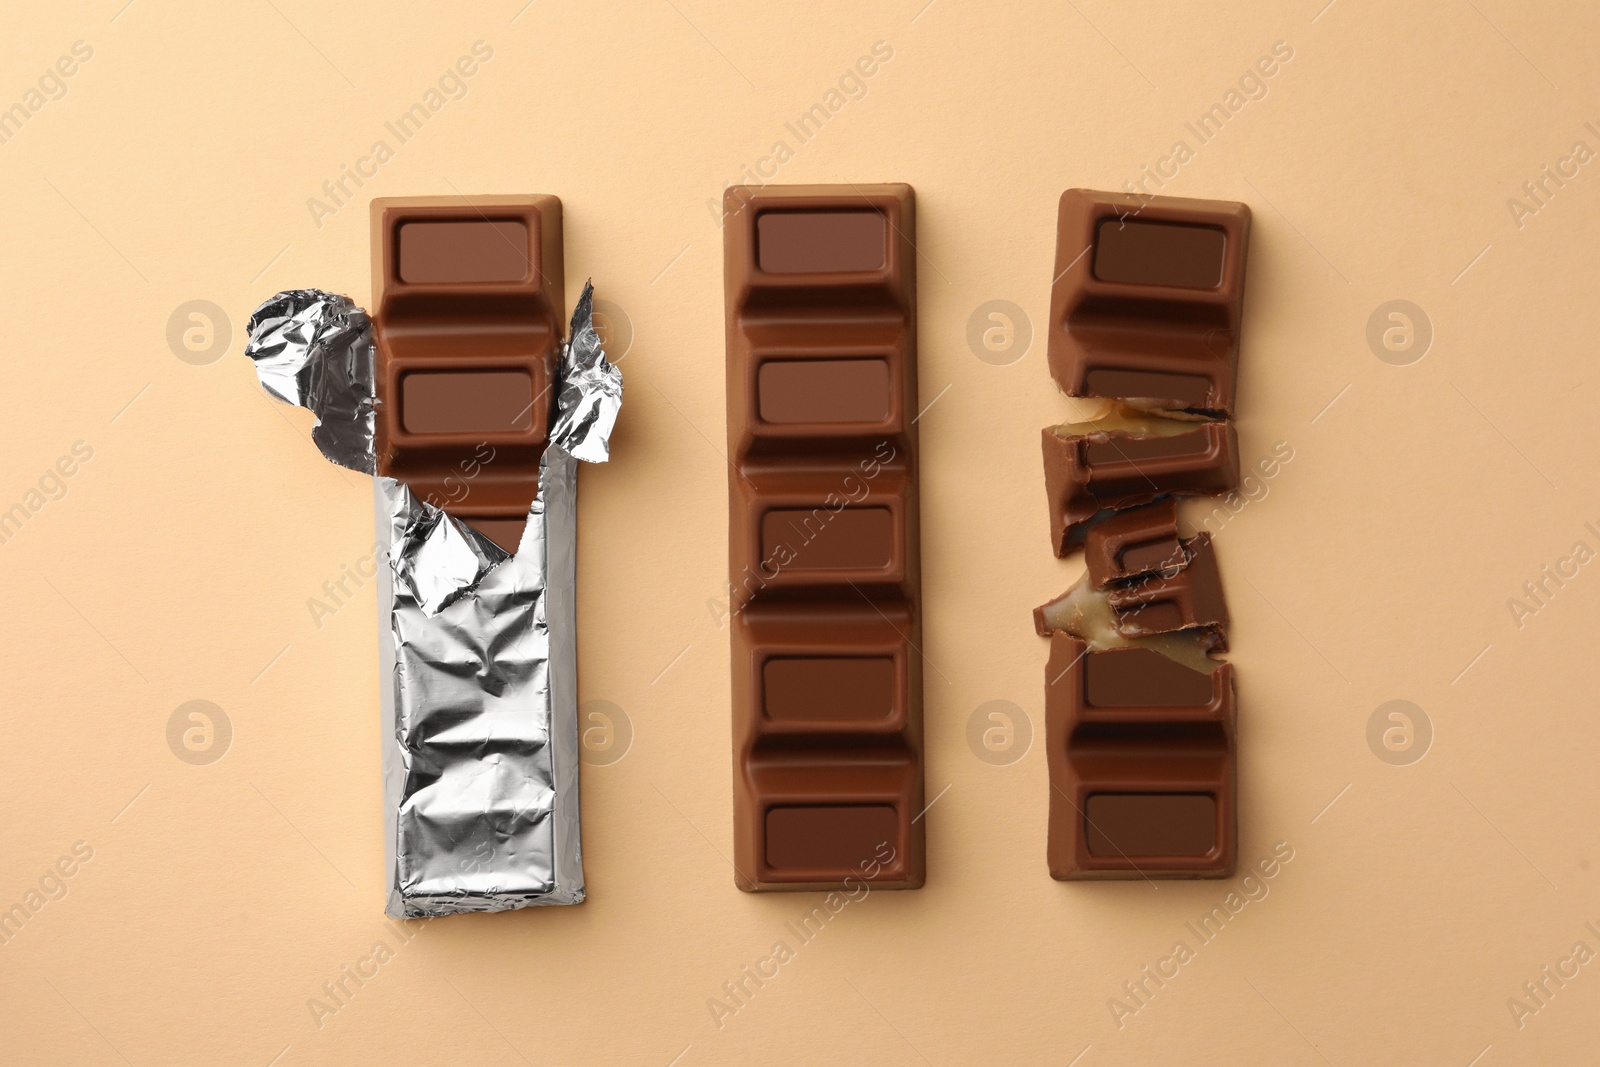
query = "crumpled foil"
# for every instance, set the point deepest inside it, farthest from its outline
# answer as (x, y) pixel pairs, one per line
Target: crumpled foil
(314, 349)
(591, 390)
(477, 647)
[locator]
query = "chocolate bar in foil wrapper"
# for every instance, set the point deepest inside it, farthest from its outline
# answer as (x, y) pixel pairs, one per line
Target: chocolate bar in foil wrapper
(478, 645)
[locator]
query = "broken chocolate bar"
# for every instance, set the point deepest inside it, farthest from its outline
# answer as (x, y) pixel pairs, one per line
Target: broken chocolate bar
(468, 321)
(1147, 299)
(1141, 757)
(1088, 469)
(823, 536)
(1145, 313)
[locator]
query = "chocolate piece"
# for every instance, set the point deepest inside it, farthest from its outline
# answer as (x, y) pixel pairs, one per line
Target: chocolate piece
(1134, 543)
(469, 305)
(1147, 299)
(823, 546)
(1087, 472)
(1186, 598)
(1141, 760)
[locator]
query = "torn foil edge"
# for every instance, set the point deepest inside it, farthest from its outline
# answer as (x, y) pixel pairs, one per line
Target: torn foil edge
(485, 822)
(314, 350)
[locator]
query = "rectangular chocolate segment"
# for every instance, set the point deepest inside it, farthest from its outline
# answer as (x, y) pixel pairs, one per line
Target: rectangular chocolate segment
(807, 532)
(1147, 299)
(829, 837)
(1133, 543)
(444, 402)
(1086, 473)
(1151, 824)
(823, 536)
(469, 303)
(466, 250)
(1141, 754)
(1184, 599)
(1141, 677)
(851, 539)
(1159, 253)
(829, 688)
(839, 391)
(816, 242)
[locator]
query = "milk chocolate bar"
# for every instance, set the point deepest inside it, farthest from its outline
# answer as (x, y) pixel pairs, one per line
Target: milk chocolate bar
(469, 307)
(1090, 472)
(823, 536)
(1147, 299)
(1141, 758)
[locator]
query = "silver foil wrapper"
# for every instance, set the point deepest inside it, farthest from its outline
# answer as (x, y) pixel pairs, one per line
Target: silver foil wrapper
(477, 647)
(314, 349)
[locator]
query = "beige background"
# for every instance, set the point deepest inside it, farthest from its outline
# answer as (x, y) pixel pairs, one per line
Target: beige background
(178, 564)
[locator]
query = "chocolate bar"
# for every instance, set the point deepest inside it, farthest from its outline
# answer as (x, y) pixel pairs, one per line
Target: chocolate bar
(479, 765)
(1145, 313)
(1141, 758)
(1088, 470)
(445, 391)
(1147, 299)
(823, 536)
(469, 307)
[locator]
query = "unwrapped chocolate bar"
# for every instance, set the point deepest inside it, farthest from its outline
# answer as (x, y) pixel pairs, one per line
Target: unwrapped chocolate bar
(820, 283)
